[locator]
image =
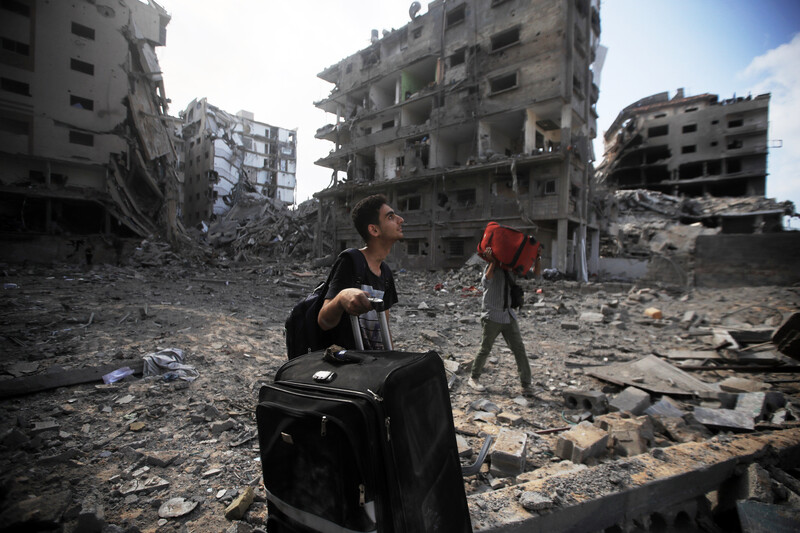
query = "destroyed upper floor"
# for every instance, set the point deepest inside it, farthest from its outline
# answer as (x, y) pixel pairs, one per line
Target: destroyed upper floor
(689, 145)
(462, 85)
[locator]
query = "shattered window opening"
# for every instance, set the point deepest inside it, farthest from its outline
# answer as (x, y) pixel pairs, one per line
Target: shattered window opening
(417, 33)
(735, 123)
(689, 128)
(735, 144)
(465, 198)
(550, 187)
(84, 139)
(83, 31)
(456, 16)
(14, 86)
(690, 149)
(658, 131)
(81, 103)
(503, 83)
(81, 66)
(690, 109)
(458, 57)
(455, 247)
(504, 39)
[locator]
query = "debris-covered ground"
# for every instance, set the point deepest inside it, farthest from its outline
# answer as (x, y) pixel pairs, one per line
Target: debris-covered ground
(164, 453)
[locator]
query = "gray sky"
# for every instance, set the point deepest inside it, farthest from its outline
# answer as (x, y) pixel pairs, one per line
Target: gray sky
(263, 56)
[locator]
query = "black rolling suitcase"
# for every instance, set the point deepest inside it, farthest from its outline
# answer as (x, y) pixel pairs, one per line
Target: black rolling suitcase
(361, 441)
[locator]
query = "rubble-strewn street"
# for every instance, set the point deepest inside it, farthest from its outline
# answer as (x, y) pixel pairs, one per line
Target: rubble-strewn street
(157, 453)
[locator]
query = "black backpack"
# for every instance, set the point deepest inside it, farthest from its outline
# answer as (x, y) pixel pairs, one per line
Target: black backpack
(302, 332)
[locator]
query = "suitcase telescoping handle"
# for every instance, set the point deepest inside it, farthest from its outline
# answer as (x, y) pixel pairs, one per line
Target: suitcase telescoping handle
(377, 305)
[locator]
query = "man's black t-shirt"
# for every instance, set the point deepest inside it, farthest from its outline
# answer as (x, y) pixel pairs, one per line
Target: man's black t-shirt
(345, 276)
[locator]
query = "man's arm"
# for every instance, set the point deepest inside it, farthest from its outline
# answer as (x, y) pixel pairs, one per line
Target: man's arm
(489, 274)
(348, 301)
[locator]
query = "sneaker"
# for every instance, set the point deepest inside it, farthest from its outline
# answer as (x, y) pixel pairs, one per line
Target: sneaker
(473, 383)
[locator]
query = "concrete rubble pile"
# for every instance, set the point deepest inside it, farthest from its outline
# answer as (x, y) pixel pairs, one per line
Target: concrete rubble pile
(637, 388)
(259, 227)
(640, 223)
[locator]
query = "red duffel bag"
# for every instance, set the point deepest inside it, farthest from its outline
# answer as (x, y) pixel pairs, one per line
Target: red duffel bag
(512, 248)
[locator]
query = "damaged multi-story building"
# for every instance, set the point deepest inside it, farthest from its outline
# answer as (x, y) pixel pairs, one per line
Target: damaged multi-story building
(226, 155)
(84, 145)
(689, 145)
(471, 112)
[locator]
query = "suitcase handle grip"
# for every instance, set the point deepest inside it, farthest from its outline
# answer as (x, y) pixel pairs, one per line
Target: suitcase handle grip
(377, 304)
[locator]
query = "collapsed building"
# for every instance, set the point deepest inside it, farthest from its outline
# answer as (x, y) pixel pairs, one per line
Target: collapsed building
(470, 112)
(228, 155)
(680, 194)
(84, 143)
(689, 145)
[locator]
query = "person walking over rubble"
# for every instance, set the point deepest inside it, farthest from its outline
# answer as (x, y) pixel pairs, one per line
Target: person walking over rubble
(380, 227)
(498, 317)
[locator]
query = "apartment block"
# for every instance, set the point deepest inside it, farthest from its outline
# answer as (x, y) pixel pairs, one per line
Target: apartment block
(689, 145)
(225, 155)
(84, 143)
(473, 111)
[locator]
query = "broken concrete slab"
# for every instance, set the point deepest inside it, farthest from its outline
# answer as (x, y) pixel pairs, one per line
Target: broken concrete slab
(655, 375)
(582, 442)
(757, 517)
(724, 418)
(737, 384)
(679, 473)
(65, 378)
(631, 400)
(787, 336)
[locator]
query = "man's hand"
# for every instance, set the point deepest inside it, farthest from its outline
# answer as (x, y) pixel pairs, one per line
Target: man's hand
(348, 301)
(354, 301)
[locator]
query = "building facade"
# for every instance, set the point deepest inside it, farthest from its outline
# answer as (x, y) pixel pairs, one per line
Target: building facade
(85, 146)
(689, 146)
(471, 112)
(226, 153)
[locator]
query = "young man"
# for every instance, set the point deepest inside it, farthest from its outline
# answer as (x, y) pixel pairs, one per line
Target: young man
(497, 317)
(380, 227)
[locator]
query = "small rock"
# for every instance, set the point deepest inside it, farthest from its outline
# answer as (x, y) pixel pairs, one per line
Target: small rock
(239, 506)
(535, 501)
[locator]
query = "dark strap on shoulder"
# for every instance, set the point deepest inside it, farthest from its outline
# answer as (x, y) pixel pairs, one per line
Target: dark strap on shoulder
(360, 263)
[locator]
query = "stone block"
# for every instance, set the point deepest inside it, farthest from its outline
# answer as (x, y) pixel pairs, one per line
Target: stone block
(508, 453)
(570, 326)
(594, 401)
(627, 436)
(218, 428)
(582, 442)
(631, 399)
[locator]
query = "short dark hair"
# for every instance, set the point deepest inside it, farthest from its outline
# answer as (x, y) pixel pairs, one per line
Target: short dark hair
(366, 212)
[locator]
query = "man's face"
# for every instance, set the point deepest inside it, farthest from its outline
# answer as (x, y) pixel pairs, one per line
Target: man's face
(390, 224)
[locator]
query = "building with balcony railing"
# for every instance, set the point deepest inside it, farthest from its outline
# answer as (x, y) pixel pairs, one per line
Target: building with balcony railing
(471, 112)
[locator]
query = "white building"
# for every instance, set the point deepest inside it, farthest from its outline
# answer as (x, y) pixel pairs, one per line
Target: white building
(227, 153)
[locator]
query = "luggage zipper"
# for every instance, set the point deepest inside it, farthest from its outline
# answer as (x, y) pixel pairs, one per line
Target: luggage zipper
(362, 497)
(375, 396)
(323, 431)
(388, 434)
